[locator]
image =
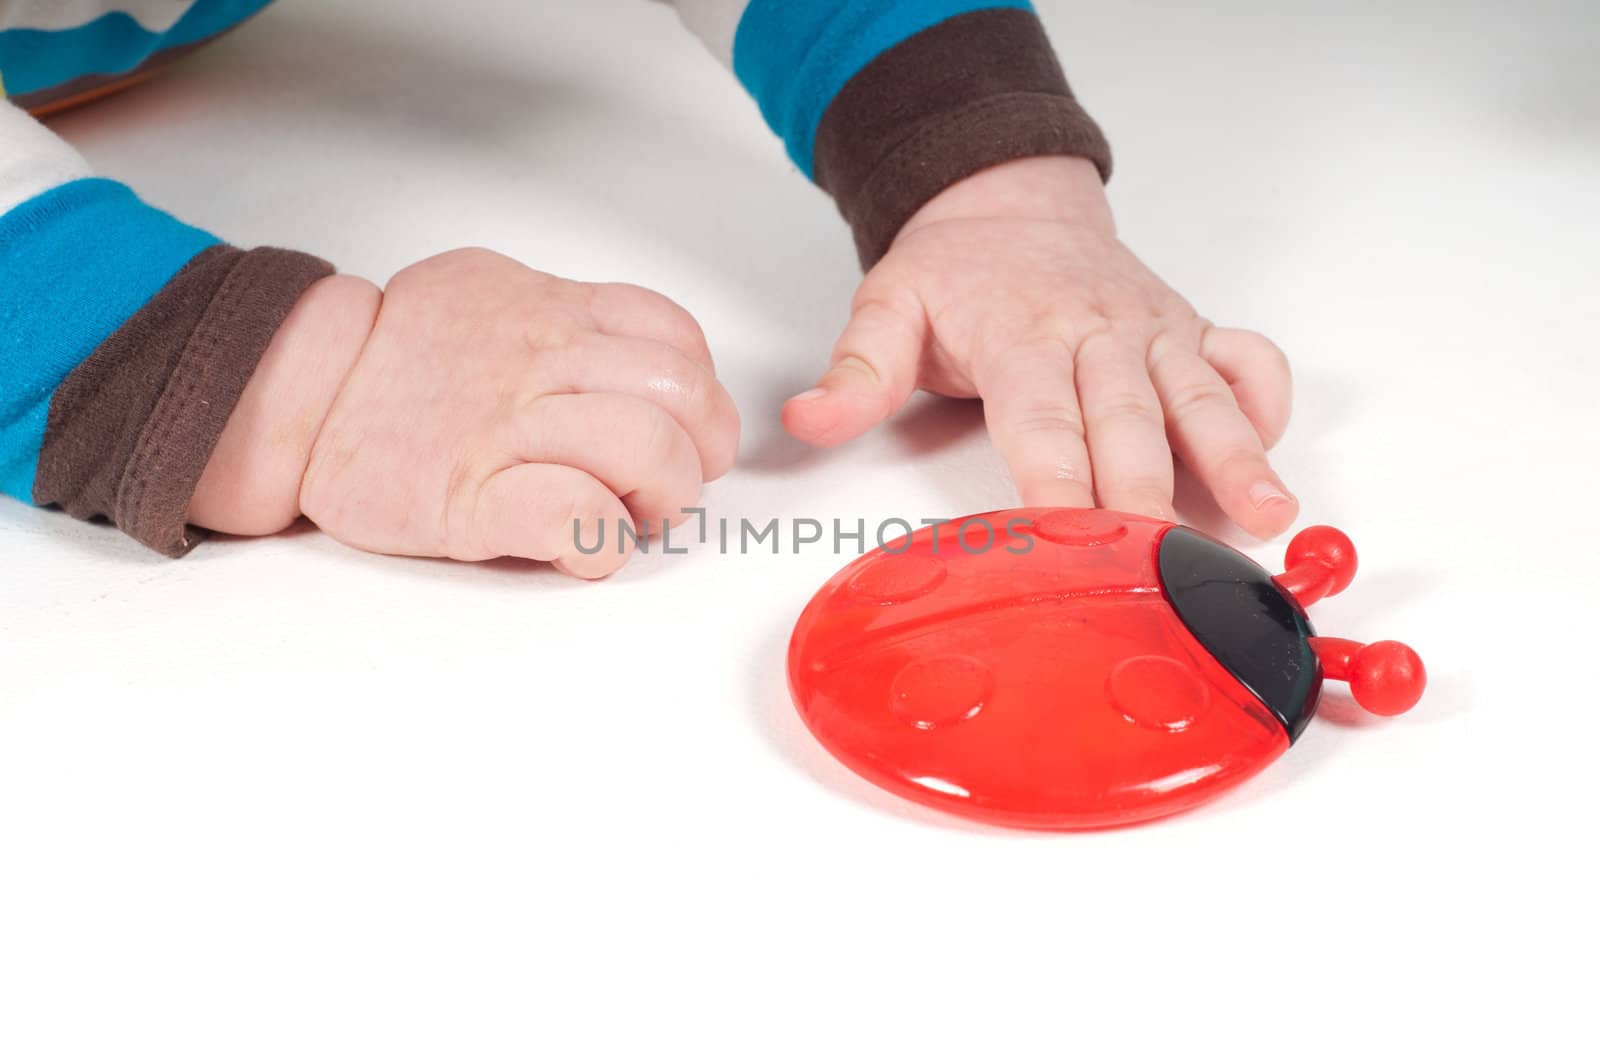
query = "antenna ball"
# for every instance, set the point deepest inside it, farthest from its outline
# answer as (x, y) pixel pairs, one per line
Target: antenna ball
(1328, 547)
(1387, 678)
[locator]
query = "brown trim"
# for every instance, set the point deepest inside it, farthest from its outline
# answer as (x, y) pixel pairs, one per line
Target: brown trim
(968, 93)
(91, 87)
(131, 428)
(77, 92)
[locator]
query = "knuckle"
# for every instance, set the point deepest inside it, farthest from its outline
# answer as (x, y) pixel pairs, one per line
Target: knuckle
(539, 382)
(851, 362)
(1092, 334)
(428, 270)
(677, 312)
(469, 256)
(529, 415)
(1017, 366)
(545, 332)
(1051, 350)
(679, 382)
(1170, 338)
(1108, 362)
(1048, 422)
(635, 301)
(879, 308)
(636, 295)
(698, 388)
(1053, 471)
(597, 298)
(1240, 463)
(1201, 396)
(1127, 406)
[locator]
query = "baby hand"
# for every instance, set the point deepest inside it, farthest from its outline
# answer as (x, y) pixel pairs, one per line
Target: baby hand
(475, 409)
(1012, 286)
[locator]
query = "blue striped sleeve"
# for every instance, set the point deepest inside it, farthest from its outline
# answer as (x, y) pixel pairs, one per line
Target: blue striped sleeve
(75, 263)
(794, 57)
(33, 60)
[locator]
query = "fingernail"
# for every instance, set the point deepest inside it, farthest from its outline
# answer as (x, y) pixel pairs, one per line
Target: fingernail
(806, 396)
(1265, 493)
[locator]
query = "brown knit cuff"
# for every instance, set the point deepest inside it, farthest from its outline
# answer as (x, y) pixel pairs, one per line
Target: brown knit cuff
(968, 93)
(131, 428)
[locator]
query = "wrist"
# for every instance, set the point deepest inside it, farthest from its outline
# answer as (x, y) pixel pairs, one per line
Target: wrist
(959, 97)
(251, 483)
(1061, 188)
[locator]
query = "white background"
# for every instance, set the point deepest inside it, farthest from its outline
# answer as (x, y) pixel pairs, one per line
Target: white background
(282, 800)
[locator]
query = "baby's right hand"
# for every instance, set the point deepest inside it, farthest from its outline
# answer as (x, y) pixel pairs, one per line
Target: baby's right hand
(476, 409)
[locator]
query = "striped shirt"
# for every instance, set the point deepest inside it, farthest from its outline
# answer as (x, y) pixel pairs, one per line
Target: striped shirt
(126, 336)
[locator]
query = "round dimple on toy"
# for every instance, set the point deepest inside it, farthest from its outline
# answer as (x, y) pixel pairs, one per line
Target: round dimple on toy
(1068, 669)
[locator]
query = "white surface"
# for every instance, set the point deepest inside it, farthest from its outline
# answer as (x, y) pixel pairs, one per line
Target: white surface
(286, 801)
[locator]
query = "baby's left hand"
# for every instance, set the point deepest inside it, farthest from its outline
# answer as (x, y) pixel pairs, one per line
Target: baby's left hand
(1012, 286)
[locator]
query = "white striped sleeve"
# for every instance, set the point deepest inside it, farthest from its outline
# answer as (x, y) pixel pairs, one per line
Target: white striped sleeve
(157, 16)
(33, 160)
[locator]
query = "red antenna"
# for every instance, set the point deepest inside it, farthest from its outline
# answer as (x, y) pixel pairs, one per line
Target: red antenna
(1321, 562)
(1386, 678)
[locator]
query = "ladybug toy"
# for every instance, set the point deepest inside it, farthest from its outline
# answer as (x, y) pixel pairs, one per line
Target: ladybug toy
(1066, 669)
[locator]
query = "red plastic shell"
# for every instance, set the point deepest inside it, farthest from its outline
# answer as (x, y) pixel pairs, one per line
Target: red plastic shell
(1043, 682)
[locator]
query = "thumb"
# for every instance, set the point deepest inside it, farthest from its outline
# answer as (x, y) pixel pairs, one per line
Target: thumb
(871, 374)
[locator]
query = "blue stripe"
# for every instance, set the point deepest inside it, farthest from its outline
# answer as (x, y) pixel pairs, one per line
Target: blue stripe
(75, 263)
(114, 43)
(795, 57)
